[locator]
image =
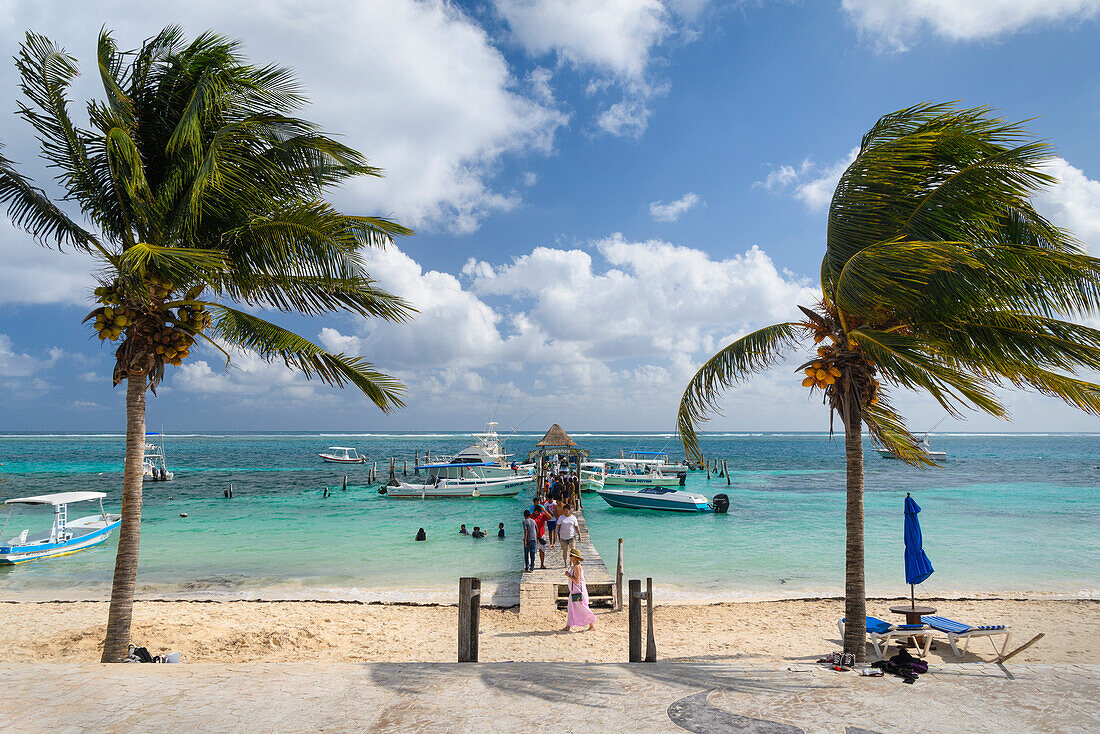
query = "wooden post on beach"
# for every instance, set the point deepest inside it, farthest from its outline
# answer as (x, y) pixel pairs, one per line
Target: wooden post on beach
(650, 644)
(634, 620)
(469, 618)
(619, 579)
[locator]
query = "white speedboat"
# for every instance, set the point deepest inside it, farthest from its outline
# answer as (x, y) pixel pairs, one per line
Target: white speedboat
(629, 473)
(458, 480)
(342, 455)
(655, 461)
(153, 467)
(654, 498)
(593, 474)
(66, 536)
(925, 444)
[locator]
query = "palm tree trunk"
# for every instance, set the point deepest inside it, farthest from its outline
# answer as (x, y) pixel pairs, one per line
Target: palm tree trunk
(855, 594)
(116, 644)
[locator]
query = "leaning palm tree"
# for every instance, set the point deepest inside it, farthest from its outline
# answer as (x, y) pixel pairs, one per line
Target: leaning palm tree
(938, 276)
(200, 192)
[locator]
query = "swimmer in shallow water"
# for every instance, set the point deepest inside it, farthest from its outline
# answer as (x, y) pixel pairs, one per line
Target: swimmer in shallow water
(478, 533)
(421, 535)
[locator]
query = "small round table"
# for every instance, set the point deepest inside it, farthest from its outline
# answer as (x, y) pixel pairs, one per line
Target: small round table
(913, 616)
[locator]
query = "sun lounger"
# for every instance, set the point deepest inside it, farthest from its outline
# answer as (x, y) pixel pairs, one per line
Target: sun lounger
(881, 633)
(955, 631)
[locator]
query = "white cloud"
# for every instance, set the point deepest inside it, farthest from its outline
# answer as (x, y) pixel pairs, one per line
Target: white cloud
(615, 36)
(810, 183)
(894, 23)
(35, 274)
(249, 381)
(1073, 203)
(673, 210)
(19, 364)
(614, 40)
(419, 87)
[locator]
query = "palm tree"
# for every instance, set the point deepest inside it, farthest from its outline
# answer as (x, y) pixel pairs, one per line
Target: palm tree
(200, 192)
(938, 276)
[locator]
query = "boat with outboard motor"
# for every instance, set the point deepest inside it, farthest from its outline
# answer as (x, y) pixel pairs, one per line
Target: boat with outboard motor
(154, 467)
(462, 479)
(342, 455)
(655, 498)
(65, 536)
(593, 474)
(631, 473)
(925, 444)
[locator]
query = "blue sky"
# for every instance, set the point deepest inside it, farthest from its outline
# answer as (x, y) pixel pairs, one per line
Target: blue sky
(604, 193)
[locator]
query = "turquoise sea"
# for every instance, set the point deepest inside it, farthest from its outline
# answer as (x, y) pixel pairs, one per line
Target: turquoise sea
(1005, 514)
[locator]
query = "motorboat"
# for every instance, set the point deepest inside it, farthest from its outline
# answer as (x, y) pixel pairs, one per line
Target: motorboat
(593, 474)
(924, 444)
(342, 455)
(459, 480)
(630, 473)
(654, 498)
(654, 461)
(487, 449)
(65, 536)
(153, 466)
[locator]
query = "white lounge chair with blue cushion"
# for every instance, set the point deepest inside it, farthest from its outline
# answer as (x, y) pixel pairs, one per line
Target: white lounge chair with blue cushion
(881, 633)
(955, 631)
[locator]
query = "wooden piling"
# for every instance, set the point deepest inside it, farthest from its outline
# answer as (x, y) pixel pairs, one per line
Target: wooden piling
(469, 618)
(650, 644)
(634, 618)
(405, 468)
(618, 603)
(726, 470)
(708, 470)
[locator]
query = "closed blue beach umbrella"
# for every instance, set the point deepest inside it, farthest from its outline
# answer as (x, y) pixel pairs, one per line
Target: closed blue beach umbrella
(917, 565)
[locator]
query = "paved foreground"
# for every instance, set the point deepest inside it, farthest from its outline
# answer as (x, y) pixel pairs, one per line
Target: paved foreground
(537, 697)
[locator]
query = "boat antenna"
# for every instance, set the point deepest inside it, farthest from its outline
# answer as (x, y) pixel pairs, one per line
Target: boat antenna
(937, 425)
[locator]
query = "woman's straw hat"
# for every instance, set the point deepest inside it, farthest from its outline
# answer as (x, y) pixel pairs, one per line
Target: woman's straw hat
(574, 554)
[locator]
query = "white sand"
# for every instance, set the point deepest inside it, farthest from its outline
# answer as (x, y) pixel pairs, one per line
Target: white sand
(789, 631)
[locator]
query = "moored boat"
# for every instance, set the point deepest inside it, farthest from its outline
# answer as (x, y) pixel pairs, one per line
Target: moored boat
(593, 474)
(654, 498)
(459, 480)
(925, 444)
(630, 473)
(342, 455)
(154, 467)
(65, 536)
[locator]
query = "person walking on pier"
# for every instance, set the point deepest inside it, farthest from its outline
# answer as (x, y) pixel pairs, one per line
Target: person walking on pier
(568, 529)
(530, 538)
(577, 613)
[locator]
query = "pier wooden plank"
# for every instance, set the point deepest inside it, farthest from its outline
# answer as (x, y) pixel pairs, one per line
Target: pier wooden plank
(540, 588)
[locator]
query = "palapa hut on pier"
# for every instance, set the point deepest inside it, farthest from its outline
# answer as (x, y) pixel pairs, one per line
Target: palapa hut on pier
(556, 443)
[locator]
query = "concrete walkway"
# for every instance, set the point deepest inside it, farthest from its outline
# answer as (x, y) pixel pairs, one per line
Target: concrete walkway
(551, 697)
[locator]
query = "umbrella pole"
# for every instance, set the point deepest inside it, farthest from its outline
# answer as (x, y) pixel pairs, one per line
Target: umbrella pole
(912, 598)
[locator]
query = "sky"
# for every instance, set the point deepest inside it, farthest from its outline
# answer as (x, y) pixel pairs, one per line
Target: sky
(603, 193)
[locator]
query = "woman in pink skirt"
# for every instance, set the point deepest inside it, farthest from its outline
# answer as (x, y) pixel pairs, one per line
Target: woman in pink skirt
(577, 612)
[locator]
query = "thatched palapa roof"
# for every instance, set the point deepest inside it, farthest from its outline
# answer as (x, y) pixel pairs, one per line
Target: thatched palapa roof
(556, 437)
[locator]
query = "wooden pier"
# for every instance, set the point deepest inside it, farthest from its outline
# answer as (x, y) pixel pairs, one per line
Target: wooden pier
(543, 589)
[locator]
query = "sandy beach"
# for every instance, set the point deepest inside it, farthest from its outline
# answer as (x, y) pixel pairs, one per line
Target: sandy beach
(793, 631)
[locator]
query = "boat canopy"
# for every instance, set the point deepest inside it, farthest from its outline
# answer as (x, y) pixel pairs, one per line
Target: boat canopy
(340, 448)
(456, 466)
(61, 498)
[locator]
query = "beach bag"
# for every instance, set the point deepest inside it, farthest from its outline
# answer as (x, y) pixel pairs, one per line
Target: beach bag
(138, 655)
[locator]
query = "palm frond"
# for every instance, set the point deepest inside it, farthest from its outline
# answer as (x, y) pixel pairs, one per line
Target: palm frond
(269, 341)
(888, 430)
(906, 361)
(314, 295)
(179, 265)
(30, 208)
(748, 355)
